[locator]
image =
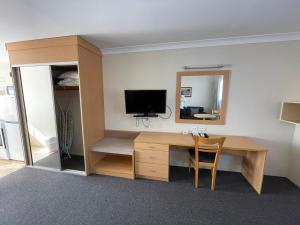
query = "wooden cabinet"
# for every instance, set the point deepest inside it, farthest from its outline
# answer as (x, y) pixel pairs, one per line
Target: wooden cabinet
(152, 161)
(290, 112)
(69, 50)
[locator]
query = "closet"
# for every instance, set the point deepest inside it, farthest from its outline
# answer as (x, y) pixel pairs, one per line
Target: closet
(60, 94)
(68, 116)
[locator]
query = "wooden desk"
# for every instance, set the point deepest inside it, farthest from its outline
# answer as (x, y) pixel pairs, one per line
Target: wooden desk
(151, 149)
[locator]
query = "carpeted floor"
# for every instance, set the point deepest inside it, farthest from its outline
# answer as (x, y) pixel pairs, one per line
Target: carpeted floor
(33, 196)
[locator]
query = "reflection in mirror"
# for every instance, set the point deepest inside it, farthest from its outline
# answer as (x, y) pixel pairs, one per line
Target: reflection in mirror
(201, 97)
(40, 113)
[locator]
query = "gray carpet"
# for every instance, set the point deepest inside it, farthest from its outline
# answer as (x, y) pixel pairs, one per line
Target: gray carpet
(32, 196)
(50, 161)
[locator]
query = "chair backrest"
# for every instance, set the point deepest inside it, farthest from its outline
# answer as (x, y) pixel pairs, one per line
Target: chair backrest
(213, 145)
(209, 144)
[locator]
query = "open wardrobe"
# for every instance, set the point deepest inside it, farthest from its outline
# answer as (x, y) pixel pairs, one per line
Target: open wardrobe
(60, 93)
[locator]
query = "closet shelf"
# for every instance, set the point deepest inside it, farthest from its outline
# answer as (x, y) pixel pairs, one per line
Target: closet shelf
(66, 88)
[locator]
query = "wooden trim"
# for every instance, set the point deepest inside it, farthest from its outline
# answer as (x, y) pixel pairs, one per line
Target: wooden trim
(221, 121)
(91, 100)
(22, 116)
(152, 178)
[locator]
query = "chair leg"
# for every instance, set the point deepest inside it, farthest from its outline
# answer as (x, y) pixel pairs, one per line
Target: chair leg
(190, 162)
(196, 177)
(213, 178)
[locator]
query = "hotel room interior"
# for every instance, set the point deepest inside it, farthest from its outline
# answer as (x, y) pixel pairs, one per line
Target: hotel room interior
(149, 112)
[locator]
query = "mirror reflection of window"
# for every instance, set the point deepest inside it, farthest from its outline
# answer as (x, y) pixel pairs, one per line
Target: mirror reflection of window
(201, 97)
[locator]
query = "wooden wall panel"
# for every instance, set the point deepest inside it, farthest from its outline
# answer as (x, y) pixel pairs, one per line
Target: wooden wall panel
(92, 103)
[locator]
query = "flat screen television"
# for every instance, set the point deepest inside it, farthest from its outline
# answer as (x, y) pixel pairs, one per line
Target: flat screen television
(145, 102)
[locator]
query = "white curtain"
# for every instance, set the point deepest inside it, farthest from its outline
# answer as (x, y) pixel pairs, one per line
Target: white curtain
(218, 92)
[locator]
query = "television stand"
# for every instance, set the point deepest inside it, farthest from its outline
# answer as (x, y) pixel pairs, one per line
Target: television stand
(146, 115)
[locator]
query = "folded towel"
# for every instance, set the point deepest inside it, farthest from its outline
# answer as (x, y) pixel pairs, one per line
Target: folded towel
(69, 74)
(69, 82)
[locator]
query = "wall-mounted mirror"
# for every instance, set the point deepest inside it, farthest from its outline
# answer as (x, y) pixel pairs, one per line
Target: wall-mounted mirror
(201, 96)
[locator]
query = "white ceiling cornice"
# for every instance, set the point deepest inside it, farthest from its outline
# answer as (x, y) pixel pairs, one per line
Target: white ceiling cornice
(205, 43)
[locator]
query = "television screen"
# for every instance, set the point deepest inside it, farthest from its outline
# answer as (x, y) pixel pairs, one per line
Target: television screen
(145, 101)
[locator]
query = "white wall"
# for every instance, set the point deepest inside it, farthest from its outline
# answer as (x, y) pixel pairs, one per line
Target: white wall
(262, 76)
(294, 169)
(5, 78)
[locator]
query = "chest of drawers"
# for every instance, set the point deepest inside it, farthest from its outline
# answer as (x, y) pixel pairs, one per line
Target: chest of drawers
(152, 161)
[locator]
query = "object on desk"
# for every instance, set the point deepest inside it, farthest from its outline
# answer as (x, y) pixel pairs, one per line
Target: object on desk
(200, 134)
(206, 154)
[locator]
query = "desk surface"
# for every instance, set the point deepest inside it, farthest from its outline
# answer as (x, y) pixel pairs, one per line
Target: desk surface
(233, 143)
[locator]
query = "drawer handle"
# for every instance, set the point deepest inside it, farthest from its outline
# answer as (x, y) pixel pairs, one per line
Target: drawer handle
(152, 171)
(152, 157)
(151, 147)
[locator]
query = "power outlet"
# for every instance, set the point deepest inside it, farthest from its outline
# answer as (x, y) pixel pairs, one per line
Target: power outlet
(202, 129)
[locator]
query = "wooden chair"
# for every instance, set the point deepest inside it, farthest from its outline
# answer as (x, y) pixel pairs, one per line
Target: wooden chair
(206, 154)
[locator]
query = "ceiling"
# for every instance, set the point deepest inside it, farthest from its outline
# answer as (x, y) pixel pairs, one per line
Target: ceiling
(119, 23)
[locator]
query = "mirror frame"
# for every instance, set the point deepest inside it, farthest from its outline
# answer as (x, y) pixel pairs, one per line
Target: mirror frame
(225, 74)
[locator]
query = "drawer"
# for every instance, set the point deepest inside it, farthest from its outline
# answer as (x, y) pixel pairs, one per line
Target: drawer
(152, 170)
(150, 146)
(149, 156)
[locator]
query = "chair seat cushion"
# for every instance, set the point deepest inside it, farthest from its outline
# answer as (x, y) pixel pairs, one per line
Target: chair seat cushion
(208, 157)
